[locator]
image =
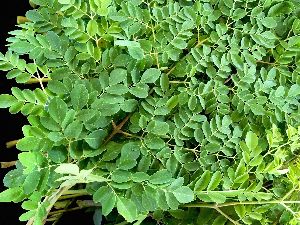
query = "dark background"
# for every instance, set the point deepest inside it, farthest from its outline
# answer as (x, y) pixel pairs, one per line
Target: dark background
(11, 125)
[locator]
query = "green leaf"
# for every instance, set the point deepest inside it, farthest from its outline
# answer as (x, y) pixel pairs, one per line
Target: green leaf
(215, 181)
(269, 22)
(57, 109)
(237, 61)
(118, 75)
(139, 177)
(158, 127)
(240, 210)
(294, 91)
(251, 140)
(140, 90)
(127, 43)
(6, 100)
(26, 143)
(73, 130)
(79, 96)
(107, 198)
(92, 27)
(117, 89)
(217, 197)
(96, 138)
(179, 43)
(121, 176)
(161, 177)
(10, 194)
(67, 168)
(31, 182)
(203, 182)
(136, 52)
(184, 194)
(127, 209)
(22, 47)
(150, 75)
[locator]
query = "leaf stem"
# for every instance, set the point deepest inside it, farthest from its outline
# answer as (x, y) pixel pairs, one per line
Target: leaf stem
(36, 80)
(5, 165)
(207, 205)
(116, 129)
(11, 144)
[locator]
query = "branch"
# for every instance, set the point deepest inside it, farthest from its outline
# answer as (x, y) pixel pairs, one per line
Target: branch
(207, 205)
(11, 144)
(35, 80)
(226, 216)
(116, 129)
(5, 165)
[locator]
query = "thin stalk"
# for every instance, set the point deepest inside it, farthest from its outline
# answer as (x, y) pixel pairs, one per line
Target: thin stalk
(205, 205)
(72, 192)
(5, 165)
(11, 144)
(36, 80)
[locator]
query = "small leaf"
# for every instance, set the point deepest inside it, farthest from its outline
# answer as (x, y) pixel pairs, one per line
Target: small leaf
(6, 100)
(57, 109)
(215, 181)
(150, 75)
(251, 140)
(179, 43)
(269, 22)
(203, 182)
(107, 198)
(161, 177)
(127, 209)
(31, 182)
(136, 52)
(79, 96)
(96, 138)
(237, 61)
(73, 130)
(240, 210)
(92, 27)
(67, 168)
(184, 194)
(10, 194)
(140, 90)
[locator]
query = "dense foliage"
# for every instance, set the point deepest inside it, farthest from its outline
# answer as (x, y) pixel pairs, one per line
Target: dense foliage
(185, 112)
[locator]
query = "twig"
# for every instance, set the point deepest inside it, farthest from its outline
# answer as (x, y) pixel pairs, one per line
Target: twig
(5, 165)
(226, 216)
(117, 128)
(11, 144)
(36, 80)
(205, 205)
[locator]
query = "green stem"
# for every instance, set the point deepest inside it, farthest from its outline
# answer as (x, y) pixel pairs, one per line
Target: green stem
(35, 80)
(213, 206)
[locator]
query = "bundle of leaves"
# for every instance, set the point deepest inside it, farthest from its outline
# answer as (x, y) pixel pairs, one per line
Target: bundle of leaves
(160, 111)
